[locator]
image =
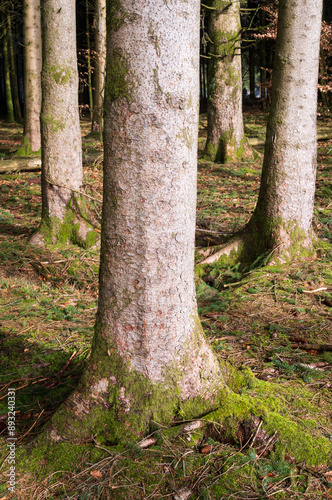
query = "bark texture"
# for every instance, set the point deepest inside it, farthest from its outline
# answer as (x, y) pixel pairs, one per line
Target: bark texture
(32, 76)
(99, 64)
(150, 360)
(62, 172)
(225, 133)
(283, 215)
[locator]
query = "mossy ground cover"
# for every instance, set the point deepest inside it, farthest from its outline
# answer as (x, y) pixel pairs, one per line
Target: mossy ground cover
(271, 321)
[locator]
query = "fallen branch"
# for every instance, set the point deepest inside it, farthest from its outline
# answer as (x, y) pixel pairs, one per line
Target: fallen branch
(318, 289)
(255, 141)
(312, 347)
(33, 164)
(20, 164)
(206, 237)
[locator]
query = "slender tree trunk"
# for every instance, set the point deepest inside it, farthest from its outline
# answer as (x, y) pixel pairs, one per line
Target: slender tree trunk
(10, 118)
(99, 65)
(262, 56)
(150, 360)
(252, 72)
(252, 52)
(89, 57)
(31, 141)
(13, 67)
(323, 79)
(63, 210)
(225, 133)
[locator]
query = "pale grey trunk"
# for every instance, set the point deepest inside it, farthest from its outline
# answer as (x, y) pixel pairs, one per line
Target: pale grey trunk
(225, 133)
(147, 295)
(149, 355)
(99, 64)
(62, 172)
(32, 75)
(284, 212)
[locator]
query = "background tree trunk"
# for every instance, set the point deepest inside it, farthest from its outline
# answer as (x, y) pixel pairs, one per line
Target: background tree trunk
(283, 215)
(62, 173)
(225, 133)
(10, 118)
(99, 65)
(13, 68)
(262, 59)
(87, 5)
(150, 360)
(31, 141)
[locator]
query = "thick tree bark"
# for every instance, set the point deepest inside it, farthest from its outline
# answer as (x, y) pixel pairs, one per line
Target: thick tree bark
(150, 360)
(31, 141)
(62, 172)
(225, 133)
(284, 211)
(99, 65)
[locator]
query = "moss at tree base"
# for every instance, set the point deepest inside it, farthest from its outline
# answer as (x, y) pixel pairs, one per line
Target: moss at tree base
(26, 150)
(134, 407)
(74, 228)
(227, 151)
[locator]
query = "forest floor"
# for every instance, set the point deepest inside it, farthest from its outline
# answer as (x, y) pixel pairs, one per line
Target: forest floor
(275, 320)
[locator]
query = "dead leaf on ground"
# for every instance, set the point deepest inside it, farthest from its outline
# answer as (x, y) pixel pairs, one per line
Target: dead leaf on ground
(207, 448)
(97, 474)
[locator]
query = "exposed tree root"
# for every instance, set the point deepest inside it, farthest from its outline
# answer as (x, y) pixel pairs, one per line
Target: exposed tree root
(232, 246)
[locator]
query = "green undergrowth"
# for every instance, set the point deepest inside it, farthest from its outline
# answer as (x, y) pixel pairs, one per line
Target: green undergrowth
(257, 318)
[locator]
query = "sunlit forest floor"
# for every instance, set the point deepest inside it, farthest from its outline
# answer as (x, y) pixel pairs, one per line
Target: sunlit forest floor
(275, 320)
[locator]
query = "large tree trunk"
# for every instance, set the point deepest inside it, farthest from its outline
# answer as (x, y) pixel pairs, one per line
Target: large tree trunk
(99, 65)
(282, 220)
(63, 212)
(225, 133)
(284, 211)
(150, 360)
(31, 141)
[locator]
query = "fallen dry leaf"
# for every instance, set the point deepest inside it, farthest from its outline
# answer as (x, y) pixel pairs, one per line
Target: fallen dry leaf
(97, 474)
(328, 476)
(207, 448)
